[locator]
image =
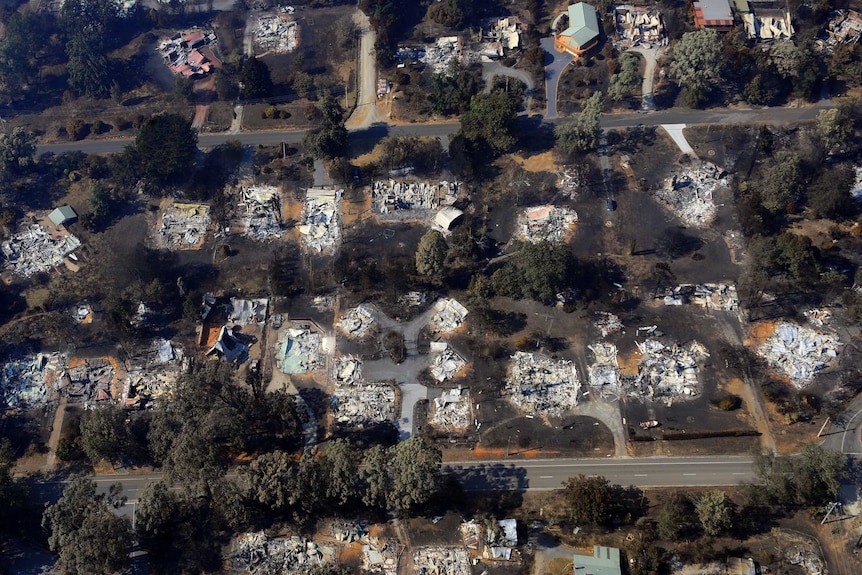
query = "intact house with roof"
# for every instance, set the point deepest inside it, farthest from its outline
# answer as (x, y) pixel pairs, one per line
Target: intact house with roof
(603, 561)
(714, 14)
(62, 216)
(582, 33)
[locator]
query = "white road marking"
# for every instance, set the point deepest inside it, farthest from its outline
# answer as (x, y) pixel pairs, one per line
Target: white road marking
(546, 477)
(689, 474)
(641, 475)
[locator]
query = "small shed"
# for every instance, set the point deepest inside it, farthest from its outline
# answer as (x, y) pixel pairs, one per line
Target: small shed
(447, 217)
(62, 216)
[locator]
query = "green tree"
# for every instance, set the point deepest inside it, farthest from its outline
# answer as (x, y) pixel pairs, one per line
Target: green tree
(820, 474)
(490, 122)
(184, 89)
(13, 494)
(341, 465)
(834, 126)
(226, 86)
(583, 134)
(104, 434)
(414, 474)
(714, 511)
(829, 195)
(330, 140)
(431, 254)
(453, 89)
(256, 80)
(672, 517)
(537, 271)
(17, 149)
(88, 66)
(697, 59)
(165, 147)
(269, 479)
(87, 536)
(18, 51)
(781, 182)
(374, 477)
(627, 79)
(590, 499)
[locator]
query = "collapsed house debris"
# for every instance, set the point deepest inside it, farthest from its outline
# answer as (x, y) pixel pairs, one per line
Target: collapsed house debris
(412, 299)
(637, 25)
(409, 55)
(441, 561)
(799, 352)
(818, 317)
(412, 200)
(666, 372)
(276, 33)
(571, 180)
(768, 24)
(604, 372)
(347, 371)
(184, 226)
(844, 27)
(364, 404)
(856, 189)
(502, 34)
(28, 381)
(379, 556)
(493, 540)
(546, 224)
(247, 311)
(93, 379)
(445, 361)
(261, 219)
(321, 229)
(448, 315)
(452, 410)
(441, 53)
(190, 53)
(257, 554)
(607, 323)
(36, 250)
(710, 296)
(358, 322)
(299, 350)
(539, 385)
(153, 374)
(688, 194)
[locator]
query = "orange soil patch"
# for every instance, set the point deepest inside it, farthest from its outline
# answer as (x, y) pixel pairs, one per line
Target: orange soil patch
(539, 163)
(351, 552)
(629, 364)
(759, 331)
(353, 212)
(495, 453)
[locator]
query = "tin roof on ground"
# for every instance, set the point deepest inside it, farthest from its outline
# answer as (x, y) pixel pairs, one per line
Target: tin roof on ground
(62, 215)
(604, 561)
(583, 24)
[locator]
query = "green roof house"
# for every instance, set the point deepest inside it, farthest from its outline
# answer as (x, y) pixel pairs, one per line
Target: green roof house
(582, 33)
(62, 216)
(604, 561)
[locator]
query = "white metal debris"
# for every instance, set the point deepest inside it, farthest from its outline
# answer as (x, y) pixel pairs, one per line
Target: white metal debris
(364, 404)
(399, 199)
(189, 53)
(275, 33)
(260, 212)
(412, 299)
(607, 323)
(637, 25)
(472, 534)
(546, 224)
(299, 350)
(541, 386)
(257, 554)
(347, 371)
(28, 381)
(247, 311)
(844, 27)
(604, 372)
(452, 410)
(711, 296)
(571, 180)
(856, 190)
(153, 374)
(321, 220)
(441, 53)
(448, 315)
(358, 322)
(35, 250)
(819, 317)
(666, 372)
(379, 556)
(767, 24)
(445, 361)
(799, 352)
(441, 561)
(184, 226)
(688, 194)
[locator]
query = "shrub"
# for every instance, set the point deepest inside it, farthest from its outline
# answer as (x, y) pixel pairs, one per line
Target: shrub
(729, 403)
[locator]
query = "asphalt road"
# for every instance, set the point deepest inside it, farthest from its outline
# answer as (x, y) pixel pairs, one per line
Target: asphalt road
(844, 434)
(776, 116)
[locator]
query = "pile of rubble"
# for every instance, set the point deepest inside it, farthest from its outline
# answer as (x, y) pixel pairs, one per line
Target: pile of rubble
(844, 27)
(257, 554)
(35, 250)
(184, 226)
(541, 386)
(768, 24)
(189, 53)
(276, 33)
(347, 371)
(688, 194)
(604, 372)
(92, 379)
(262, 217)
(364, 404)
(299, 350)
(412, 299)
(666, 372)
(153, 374)
(379, 556)
(546, 224)
(358, 322)
(445, 361)
(571, 180)
(818, 317)
(799, 352)
(856, 189)
(405, 199)
(442, 561)
(639, 26)
(607, 323)
(320, 229)
(27, 382)
(503, 34)
(83, 314)
(448, 315)
(452, 410)
(409, 55)
(439, 54)
(711, 296)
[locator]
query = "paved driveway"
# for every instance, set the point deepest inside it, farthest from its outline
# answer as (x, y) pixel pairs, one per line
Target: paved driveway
(555, 63)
